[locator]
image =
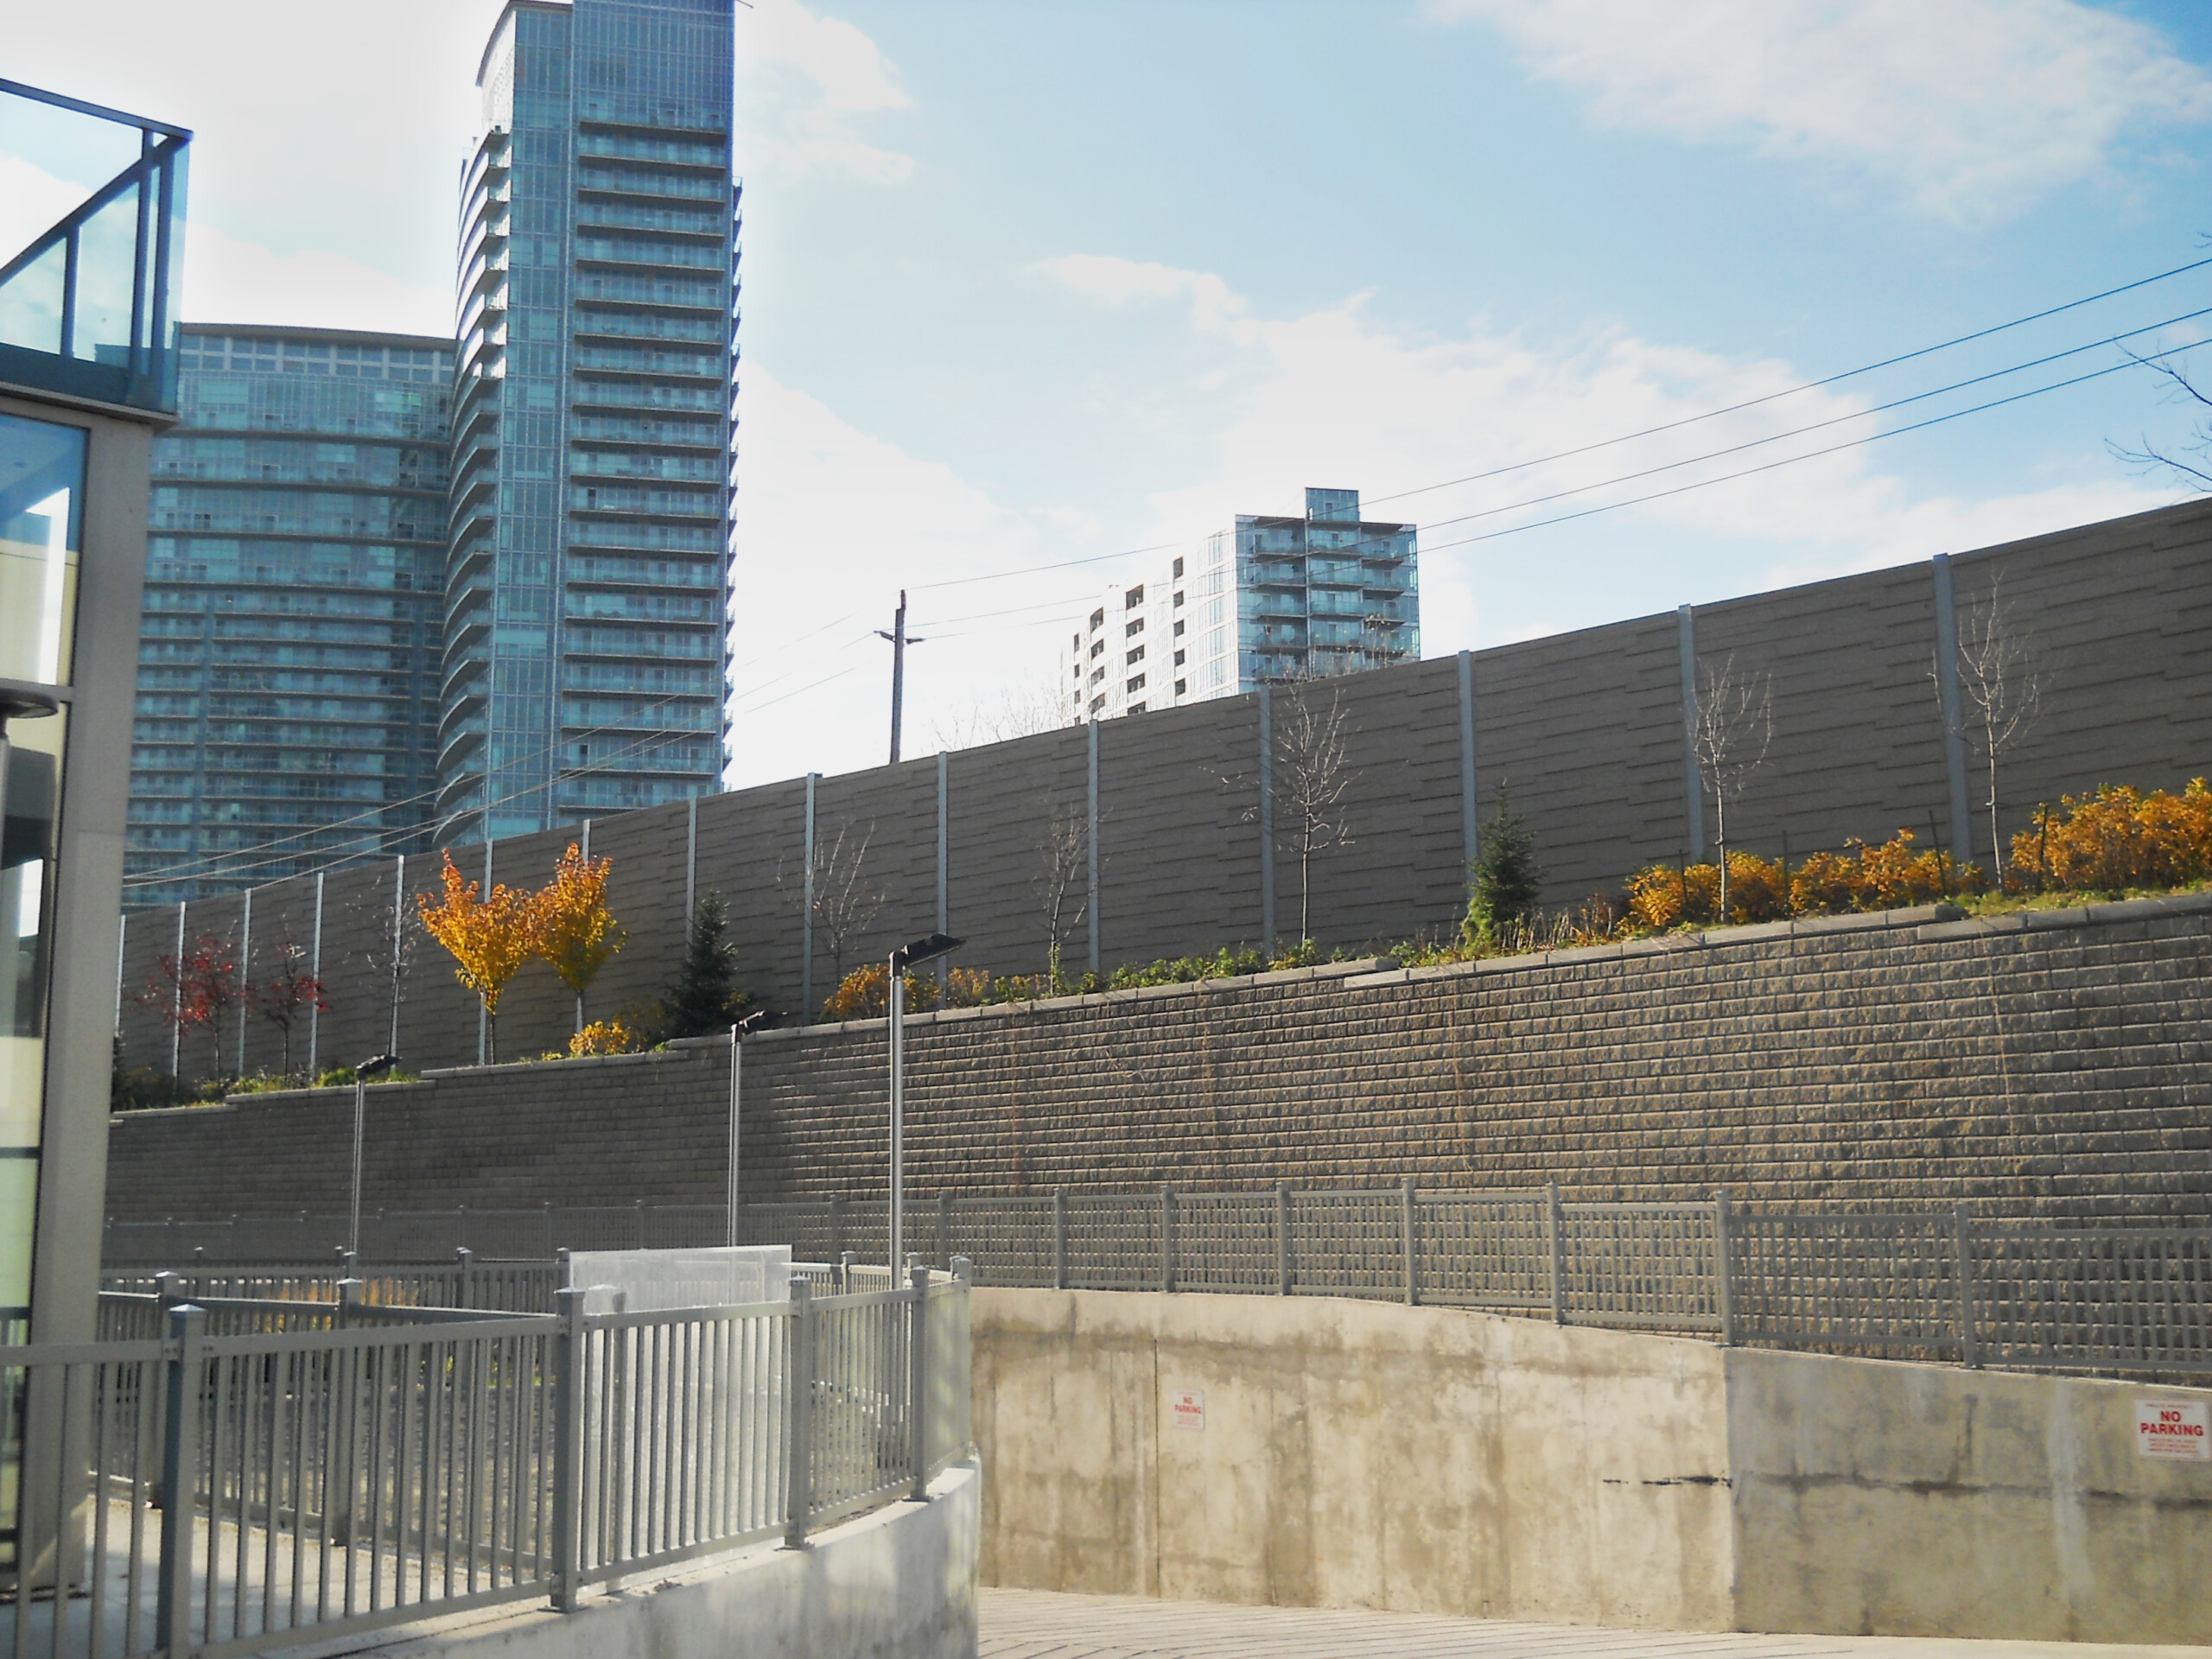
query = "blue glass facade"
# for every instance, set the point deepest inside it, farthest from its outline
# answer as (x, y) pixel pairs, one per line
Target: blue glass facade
(594, 419)
(289, 650)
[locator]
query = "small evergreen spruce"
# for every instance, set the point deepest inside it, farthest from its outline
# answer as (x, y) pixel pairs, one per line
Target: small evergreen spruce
(705, 997)
(1507, 879)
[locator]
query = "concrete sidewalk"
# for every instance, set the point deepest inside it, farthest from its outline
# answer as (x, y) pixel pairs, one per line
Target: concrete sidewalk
(1040, 1625)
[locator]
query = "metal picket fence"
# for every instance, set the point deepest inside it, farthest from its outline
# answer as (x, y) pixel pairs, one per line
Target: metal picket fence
(244, 1475)
(1929, 1284)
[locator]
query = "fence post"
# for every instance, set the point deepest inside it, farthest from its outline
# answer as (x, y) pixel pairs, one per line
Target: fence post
(546, 1209)
(799, 1418)
(188, 1330)
(640, 1207)
(349, 1299)
(464, 1292)
(1166, 1238)
(1724, 1289)
(1406, 1228)
(1282, 1238)
(844, 1280)
(1553, 1219)
(568, 1357)
(944, 1217)
(1969, 1341)
(837, 1227)
(1059, 1239)
(917, 1383)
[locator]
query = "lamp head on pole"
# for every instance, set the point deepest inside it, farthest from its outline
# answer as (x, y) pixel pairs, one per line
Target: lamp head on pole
(376, 1067)
(752, 1022)
(922, 950)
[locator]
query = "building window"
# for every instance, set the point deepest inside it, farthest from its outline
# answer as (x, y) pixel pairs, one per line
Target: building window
(1178, 627)
(1098, 619)
(1180, 684)
(1136, 708)
(1132, 629)
(1098, 702)
(1098, 674)
(1178, 659)
(1178, 601)
(1136, 684)
(1178, 571)
(1136, 656)
(1097, 647)
(1134, 598)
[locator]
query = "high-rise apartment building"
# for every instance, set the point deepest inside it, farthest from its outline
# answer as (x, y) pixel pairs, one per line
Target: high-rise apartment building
(593, 418)
(288, 649)
(1273, 599)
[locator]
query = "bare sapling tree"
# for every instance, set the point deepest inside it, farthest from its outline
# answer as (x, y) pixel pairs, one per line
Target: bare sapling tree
(846, 904)
(1061, 881)
(2174, 459)
(2000, 694)
(1313, 777)
(1020, 708)
(1732, 727)
(388, 933)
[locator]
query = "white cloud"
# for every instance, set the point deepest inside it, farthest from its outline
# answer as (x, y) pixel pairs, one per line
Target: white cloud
(832, 524)
(226, 280)
(1974, 108)
(1333, 398)
(802, 80)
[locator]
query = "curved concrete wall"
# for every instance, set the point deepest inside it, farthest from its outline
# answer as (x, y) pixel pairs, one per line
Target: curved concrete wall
(1356, 1454)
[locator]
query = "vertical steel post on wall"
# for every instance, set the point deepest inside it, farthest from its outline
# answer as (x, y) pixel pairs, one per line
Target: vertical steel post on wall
(917, 1375)
(690, 862)
(1091, 837)
(1405, 1232)
(1166, 1238)
(1947, 698)
(1469, 827)
(1693, 774)
(188, 1330)
(245, 971)
(799, 1418)
(1059, 1239)
(568, 1358)
(806, 913)
(1553, 1219)
(315, 970)
(943, 886)
(1268, 821)
(1969, 1339)
(944, 1224)
(1724, 1289)
(177, 999)
(1282, 1238)
(398, 937)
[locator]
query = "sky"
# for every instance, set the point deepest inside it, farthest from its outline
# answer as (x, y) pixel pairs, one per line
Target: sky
(1037, 295)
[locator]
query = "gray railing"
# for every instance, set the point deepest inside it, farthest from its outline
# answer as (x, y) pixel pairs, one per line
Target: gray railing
(1934, 1284)
(266, 1471)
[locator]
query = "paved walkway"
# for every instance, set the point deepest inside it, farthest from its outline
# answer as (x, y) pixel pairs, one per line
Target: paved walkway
(1039, 1625)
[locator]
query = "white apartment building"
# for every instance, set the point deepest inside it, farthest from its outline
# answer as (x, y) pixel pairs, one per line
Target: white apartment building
(1273, 599)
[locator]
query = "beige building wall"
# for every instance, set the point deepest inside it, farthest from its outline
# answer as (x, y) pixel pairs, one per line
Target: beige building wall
(1333, 1454)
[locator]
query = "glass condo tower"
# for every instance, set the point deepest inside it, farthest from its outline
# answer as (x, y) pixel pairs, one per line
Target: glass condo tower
(287, 658)
(594, 419)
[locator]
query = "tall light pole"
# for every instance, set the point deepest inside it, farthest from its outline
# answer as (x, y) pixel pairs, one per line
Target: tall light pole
(899, 643)
(736, 1071)
(362, 1073)
(906, 956)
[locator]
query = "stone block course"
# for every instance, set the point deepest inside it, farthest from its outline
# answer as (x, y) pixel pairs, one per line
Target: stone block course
(1902, 1060)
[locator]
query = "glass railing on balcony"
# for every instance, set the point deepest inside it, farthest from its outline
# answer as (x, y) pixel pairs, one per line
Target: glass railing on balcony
(88, 307)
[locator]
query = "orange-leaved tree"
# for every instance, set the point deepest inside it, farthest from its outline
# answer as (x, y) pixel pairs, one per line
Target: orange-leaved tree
(489, 938)
(574, 930)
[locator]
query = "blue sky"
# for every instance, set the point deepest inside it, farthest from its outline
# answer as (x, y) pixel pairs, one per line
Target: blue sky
(1030, 284)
